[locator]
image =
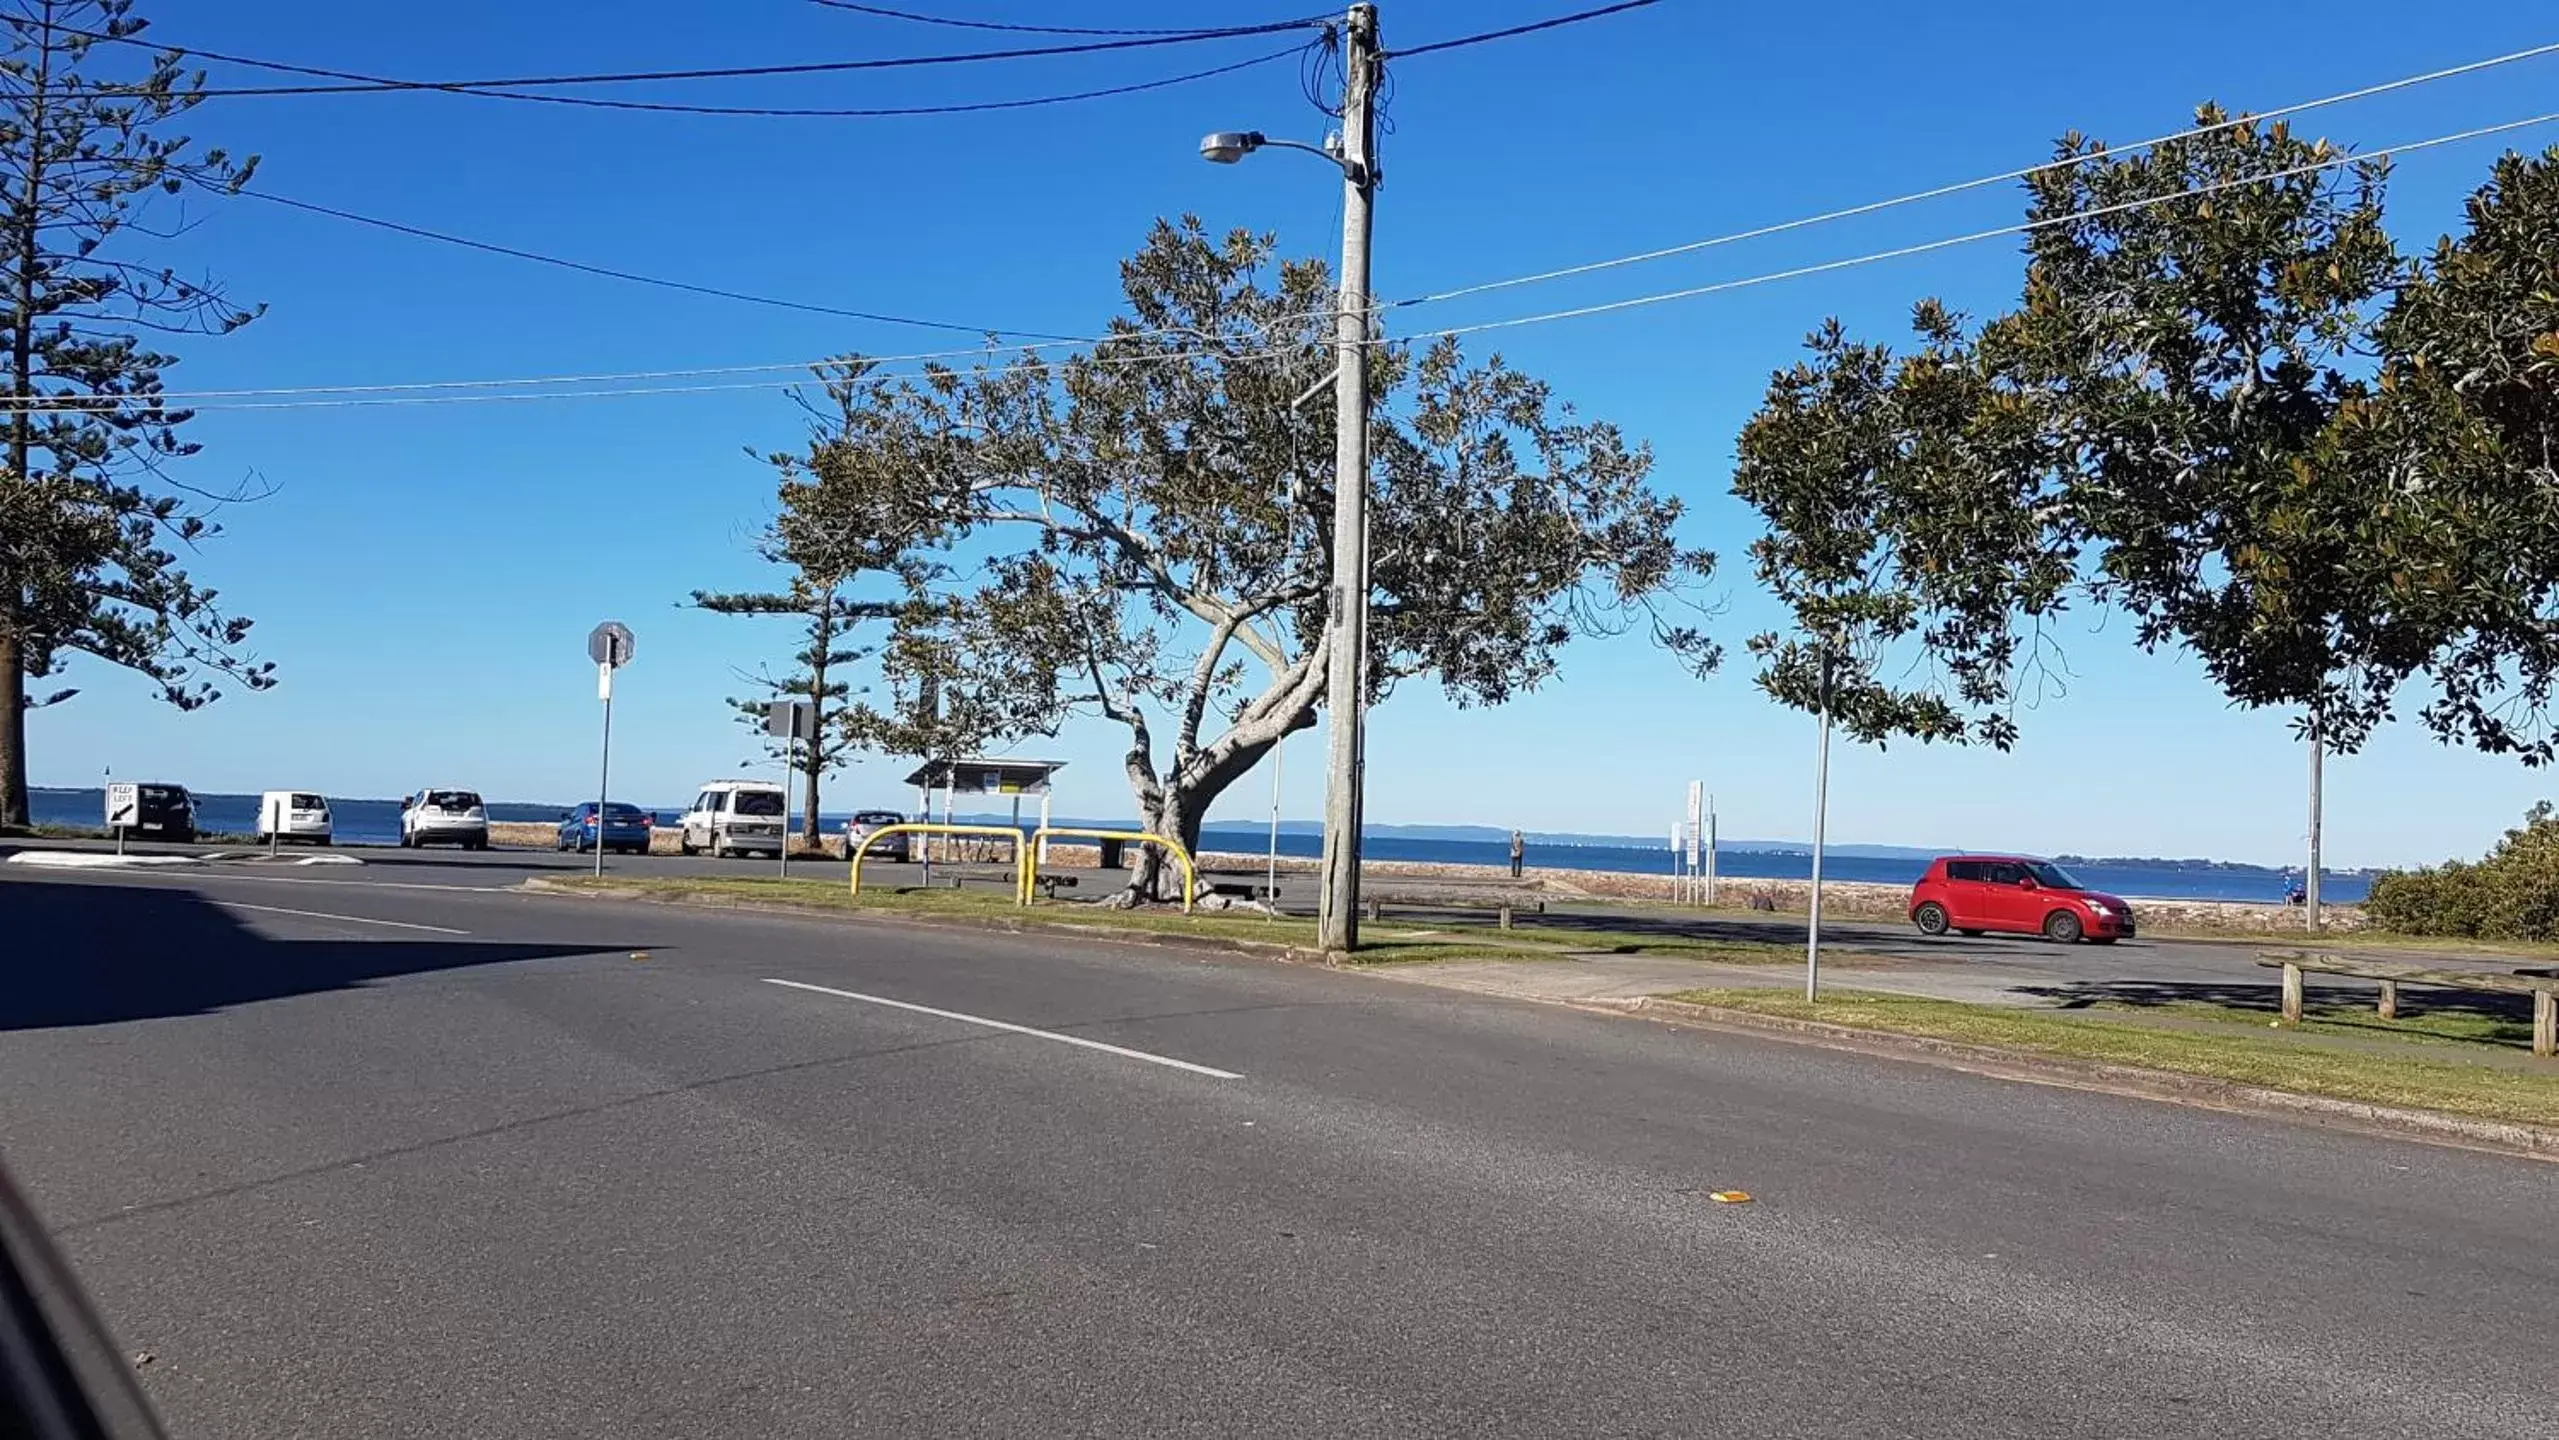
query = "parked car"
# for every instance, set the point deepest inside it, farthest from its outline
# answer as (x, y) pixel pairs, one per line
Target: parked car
(162, 812)
(866, 822)
(735, 817)
(444, 817)
(2013, 895)
(295, 815)
(626, 828)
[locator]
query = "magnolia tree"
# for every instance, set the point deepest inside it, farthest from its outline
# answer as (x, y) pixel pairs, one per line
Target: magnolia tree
(1142, 533)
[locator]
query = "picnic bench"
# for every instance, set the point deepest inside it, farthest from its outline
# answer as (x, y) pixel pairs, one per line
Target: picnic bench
(1239, 889)
(956, 876)
(1505, 901)
(2541, 985)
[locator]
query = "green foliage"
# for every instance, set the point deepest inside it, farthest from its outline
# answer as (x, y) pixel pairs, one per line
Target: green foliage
(2513, 894)
(840, 518)
(91, 520)
(2226, 407)
(1148, 526)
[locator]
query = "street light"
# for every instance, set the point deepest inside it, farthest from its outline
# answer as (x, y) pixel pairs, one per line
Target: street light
(1346, 608)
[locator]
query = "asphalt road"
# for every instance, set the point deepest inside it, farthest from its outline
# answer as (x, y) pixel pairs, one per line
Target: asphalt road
(2020, 968)
(358, 1155)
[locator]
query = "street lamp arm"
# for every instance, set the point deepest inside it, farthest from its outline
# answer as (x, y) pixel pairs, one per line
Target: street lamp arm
(1225, 147)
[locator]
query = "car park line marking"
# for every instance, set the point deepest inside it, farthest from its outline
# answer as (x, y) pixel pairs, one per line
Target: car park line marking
(202, 876)
(1007, 1025)
(349, 919)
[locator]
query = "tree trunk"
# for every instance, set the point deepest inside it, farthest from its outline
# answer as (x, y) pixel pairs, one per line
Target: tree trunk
(1176, 815)
(13, 728)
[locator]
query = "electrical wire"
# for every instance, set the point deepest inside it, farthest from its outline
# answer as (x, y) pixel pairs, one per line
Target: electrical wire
(373, 395)
(360, 83)
(669, 107)
(2023, 228)
(885, 13)
(1529, 29)
(634, 277)
(1941, 191)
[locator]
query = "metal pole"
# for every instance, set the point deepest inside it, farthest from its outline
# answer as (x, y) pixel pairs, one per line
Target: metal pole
(1710, 852)
(790, 772)
(1347, 611)
(604, 772)
(1821, 820)
(1279, 768)
(2310, 882)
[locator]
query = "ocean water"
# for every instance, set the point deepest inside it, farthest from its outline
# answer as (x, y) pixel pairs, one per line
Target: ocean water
(377, 822)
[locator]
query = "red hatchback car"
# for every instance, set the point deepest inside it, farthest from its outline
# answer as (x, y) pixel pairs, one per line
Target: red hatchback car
(2015, 896)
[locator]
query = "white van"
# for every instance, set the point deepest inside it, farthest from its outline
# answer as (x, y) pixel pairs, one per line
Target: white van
(735, 817)
(295, 815)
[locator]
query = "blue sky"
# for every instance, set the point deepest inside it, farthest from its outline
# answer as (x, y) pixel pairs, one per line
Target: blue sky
(425, 575)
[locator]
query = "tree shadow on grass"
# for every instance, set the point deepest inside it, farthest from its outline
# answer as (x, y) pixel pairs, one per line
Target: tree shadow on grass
(2347, 1004)
(99, 953)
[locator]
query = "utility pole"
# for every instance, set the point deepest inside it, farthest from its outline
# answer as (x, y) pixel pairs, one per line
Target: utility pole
(1347, 609)
(2310, 882)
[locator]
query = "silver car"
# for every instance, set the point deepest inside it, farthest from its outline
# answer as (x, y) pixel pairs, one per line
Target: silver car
(869, 822)
(444, 817)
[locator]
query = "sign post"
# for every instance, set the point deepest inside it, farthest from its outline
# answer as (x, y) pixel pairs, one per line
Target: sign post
(124, 809)
(609, 645)
(1696, 829)
(792, 721)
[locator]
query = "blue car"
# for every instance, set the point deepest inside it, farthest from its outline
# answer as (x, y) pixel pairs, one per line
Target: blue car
(626, 828)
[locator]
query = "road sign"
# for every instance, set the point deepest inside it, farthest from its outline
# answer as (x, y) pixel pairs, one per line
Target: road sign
(610, 644)
(795, 718)
(124, 804)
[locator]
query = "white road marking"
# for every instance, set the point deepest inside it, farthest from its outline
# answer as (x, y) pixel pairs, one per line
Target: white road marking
(349, 919)
(198, 877)
(1007, 1025)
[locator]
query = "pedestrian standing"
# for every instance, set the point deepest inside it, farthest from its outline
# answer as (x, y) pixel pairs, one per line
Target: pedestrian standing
(1519, 852)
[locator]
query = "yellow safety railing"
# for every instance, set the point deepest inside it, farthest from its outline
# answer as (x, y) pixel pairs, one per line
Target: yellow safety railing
(1190, 872)
(1021, 849)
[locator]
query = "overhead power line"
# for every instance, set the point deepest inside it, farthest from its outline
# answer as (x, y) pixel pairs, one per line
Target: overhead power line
(634, 277)
(360, 83)
(335, 397)
(670, 107)
(885, 13)
(2023, 228)
(1531, 28)
(1959, 187)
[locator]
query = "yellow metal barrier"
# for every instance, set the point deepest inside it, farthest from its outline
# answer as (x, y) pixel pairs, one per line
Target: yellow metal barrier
(1190, 872)
(1021, 849)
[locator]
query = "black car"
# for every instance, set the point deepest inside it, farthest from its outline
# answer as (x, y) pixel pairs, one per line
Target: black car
(163, 812)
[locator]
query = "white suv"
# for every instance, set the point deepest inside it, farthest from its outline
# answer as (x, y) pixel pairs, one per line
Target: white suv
(444, 817)
(735, 817)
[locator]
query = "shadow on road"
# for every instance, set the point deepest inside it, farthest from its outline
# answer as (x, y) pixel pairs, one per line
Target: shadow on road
(99, 953)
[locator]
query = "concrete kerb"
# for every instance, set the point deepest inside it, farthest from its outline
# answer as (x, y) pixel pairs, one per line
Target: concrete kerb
(2197, 1091)
(2203, 1092)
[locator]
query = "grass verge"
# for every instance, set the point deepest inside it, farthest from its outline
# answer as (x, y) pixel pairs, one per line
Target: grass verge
(2423, 1077)
(1386, 944)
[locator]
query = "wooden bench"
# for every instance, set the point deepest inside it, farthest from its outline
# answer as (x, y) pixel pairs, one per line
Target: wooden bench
(1505, 902)
(2541, 985)
(1233, 889)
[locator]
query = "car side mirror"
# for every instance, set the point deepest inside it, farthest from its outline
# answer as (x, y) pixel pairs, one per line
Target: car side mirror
(2027, 882)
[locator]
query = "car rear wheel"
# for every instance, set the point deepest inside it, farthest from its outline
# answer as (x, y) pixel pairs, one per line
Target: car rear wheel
(1930, 918)
(2064, 927)
(684, 846)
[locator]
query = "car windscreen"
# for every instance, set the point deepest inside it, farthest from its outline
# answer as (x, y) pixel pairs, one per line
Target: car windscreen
(309, 802)
(2053, 877)
(879, 817)
(453, 799)
(625, 814)
(755, 802)
(159, 794)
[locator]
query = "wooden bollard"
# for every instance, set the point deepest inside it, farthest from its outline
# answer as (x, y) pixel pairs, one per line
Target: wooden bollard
(2545, 1023)
(2292, 992)
(2389, 999)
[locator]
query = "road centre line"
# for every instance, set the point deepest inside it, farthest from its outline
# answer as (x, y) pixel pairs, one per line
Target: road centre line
(348, 919)
(1007, 1025)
